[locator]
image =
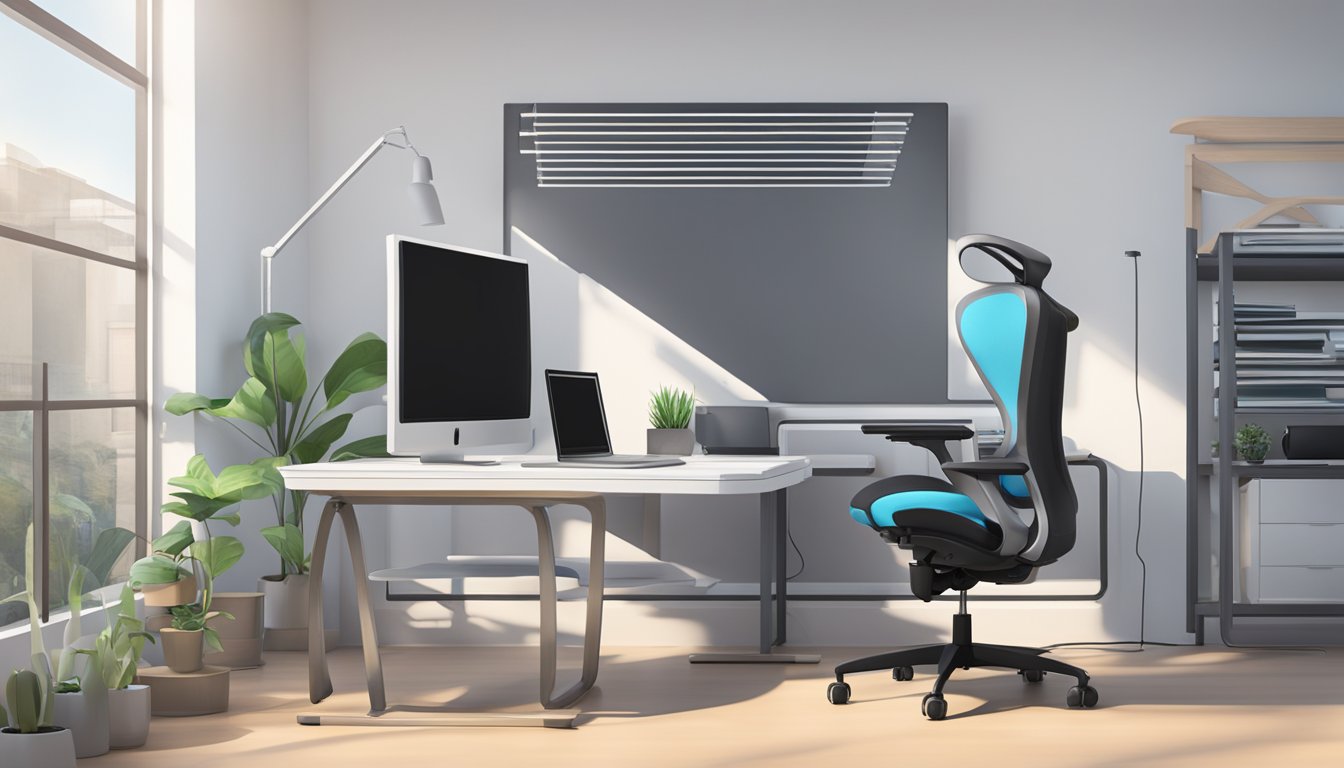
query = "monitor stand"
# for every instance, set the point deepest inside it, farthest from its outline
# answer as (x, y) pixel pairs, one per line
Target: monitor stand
(445, 457)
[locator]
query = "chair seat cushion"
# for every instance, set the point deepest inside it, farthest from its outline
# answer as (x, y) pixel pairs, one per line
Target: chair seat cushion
(924, 504)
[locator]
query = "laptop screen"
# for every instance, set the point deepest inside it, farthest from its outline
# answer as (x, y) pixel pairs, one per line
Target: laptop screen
(577, 414)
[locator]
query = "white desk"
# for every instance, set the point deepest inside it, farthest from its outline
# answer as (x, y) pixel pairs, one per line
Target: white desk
(407, 481)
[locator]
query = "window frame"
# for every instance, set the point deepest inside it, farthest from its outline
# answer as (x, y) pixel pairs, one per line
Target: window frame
(66, 37)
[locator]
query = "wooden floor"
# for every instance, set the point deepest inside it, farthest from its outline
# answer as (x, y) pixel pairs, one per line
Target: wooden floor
(1162, 707)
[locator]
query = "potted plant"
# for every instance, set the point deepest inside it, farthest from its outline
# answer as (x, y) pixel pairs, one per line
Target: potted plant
(28, 737)
(203, 497)
(118, 649)
(1252, 443)
(77, 703)
(277, 413)
(670, 412)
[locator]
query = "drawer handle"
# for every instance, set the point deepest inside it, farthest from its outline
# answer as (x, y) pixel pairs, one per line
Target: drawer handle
(1324, 525)
(1321, 567)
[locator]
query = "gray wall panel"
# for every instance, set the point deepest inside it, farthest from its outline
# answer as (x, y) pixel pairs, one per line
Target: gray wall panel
(813, 295)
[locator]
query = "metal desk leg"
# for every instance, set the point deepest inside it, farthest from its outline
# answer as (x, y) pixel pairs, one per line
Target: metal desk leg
(319, 678)
(781, 566)
(592, 635)
(368, 633)
(772, 606)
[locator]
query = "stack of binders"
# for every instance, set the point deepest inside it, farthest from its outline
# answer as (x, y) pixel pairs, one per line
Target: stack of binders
(1288, 359)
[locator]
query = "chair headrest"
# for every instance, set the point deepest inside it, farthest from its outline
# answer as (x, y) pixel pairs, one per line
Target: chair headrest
(1027, 265)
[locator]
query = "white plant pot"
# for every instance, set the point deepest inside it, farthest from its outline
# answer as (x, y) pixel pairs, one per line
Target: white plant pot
(285, 611)
(128, 716)
(286, 602)
(84, 714)
(50, 748)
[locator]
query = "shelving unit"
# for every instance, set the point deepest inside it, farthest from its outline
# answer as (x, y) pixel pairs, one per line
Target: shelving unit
(1214, 483)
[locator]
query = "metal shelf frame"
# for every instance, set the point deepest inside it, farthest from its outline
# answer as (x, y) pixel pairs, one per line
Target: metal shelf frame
(1224, 269)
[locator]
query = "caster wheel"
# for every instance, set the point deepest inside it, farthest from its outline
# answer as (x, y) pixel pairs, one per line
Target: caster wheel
(934, 706)
(1033, 675)
(1084, 697)
(903, 673)
(838, 693)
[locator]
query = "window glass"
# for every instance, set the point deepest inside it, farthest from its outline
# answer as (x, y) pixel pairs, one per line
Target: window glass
(76, 315)
(92, 469)
(16, 506)
(67, 146)
(109, 23)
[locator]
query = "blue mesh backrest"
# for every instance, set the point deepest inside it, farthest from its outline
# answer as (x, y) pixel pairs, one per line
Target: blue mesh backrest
(994, 332)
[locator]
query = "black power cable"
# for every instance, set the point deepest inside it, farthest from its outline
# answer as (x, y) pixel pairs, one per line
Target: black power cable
(1138, 406)
(802, 561)
(1138, 533)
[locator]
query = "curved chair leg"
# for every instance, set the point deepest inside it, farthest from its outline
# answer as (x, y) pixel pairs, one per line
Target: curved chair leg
(911, 657)
(946, 666)
(987, 656)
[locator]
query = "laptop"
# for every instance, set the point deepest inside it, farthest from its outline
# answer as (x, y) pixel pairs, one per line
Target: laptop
(579, 421)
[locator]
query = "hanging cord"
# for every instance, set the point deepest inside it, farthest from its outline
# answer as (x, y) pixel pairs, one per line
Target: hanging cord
(1138, 406)
(1138, 533)
(802, 562)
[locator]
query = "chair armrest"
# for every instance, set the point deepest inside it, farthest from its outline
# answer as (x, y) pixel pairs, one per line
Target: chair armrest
(904, 433)
(931, 437)
(987, 467)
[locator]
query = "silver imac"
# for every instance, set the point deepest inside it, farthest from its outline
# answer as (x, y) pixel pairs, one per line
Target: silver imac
(459, 373)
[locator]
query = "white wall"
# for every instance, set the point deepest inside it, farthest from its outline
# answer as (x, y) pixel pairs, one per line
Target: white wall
(1059, 114)
(251, 184)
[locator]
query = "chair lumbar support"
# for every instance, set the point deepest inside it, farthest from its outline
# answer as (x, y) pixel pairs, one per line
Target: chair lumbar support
(996, 518)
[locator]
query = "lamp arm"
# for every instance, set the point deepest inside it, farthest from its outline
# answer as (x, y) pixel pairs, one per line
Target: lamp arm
(268, 253)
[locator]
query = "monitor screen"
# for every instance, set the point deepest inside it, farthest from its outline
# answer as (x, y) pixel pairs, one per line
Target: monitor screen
(579, 419)
(464, 345)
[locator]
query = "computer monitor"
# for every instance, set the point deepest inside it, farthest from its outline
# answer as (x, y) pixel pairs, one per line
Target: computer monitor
(459, 373)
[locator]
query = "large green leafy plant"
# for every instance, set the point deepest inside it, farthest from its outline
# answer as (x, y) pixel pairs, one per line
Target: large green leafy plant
(276, 411)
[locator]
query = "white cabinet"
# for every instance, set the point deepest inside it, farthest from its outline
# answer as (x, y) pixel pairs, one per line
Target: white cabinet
(1295, 533)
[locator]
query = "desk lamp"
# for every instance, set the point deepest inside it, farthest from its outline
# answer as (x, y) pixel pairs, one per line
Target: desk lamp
(424, 199)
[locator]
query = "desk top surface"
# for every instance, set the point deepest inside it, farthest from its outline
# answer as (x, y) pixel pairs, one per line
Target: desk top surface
(699, 475)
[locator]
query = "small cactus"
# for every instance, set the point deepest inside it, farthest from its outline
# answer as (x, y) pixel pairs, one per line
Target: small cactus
(25, 696)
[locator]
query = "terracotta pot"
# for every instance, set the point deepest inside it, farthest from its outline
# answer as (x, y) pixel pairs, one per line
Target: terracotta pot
(203, 692)
(50, 747)
(128, 716)
(180, 592)
(183, 650)
(241, 637)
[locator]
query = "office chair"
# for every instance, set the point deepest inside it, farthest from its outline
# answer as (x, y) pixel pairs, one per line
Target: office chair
(1001, 518)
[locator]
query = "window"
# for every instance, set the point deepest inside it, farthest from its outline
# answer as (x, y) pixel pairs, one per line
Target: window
(74, 273)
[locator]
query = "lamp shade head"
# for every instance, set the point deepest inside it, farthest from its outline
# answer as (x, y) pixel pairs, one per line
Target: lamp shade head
(424, 198)
(421, 170)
